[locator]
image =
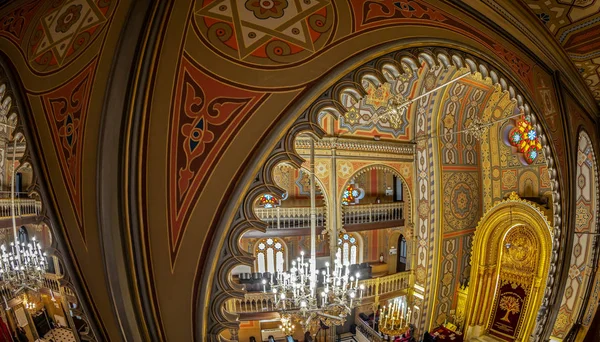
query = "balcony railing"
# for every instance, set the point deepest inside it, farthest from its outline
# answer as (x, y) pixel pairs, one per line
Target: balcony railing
(286, 218)
(50, 282)
(364, 332)
(23, 207)
(254, 302)
(371, 213)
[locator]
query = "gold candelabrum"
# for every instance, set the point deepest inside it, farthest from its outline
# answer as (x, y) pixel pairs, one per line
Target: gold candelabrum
(286, 326)
(395, 319)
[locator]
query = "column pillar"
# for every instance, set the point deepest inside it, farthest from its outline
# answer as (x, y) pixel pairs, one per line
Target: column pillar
(333, 203)
(313, 212)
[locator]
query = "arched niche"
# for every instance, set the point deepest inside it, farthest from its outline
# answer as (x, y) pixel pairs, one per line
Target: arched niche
(510, 262)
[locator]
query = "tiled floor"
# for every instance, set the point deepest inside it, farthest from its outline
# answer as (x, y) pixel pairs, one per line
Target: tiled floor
(59, 335)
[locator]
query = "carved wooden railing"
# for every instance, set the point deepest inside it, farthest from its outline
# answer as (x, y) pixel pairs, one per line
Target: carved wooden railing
(254, 302)
(366, 332)
(23, 207)
(50, 282)
(286, 218)
(371, 213)
(376, 287)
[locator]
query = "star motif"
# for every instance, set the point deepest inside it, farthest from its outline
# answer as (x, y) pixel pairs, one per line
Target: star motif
(258, 22)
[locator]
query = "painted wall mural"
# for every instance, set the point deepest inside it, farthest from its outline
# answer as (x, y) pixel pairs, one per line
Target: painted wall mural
(65, 30)
(202, 120)
(265, 33)
(66, 110)
(367, 114)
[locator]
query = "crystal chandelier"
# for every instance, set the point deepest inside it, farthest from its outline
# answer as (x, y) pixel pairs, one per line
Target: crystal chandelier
(304, 294)
(395, 319)
(22, 265)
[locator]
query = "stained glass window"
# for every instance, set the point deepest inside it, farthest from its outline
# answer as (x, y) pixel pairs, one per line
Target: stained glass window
(268, 201)
(270, 256)
(524, 137)
(347, 249)
(352, 194)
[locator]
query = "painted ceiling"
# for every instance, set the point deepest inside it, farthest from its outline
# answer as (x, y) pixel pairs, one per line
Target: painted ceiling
(576, 26)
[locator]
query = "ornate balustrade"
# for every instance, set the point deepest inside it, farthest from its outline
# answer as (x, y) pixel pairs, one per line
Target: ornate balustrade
(50, 282)
(23, 207)
(299, 217)
(253, 302)
(374, 288)
(367, 333)
(371, 213)
(286, 218)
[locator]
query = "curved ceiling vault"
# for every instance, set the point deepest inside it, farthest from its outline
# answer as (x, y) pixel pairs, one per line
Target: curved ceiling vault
(182, 108)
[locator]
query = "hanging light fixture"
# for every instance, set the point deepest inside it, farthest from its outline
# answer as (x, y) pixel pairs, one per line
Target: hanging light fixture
(286, 326)
(304, 294)
(22, 265)
(395, 319)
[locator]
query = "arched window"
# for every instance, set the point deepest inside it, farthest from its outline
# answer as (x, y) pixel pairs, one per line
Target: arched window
(401, 264)
(268, 201)
(347, 249)
(352, 194)
(270, 256)
(23, 235)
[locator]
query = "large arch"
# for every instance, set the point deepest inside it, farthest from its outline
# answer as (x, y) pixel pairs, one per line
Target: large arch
(379, 166)
(528, 268)
(308, 120)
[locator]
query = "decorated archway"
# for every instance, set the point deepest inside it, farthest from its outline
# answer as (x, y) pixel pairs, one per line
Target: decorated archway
(332, 101)
(510, 262)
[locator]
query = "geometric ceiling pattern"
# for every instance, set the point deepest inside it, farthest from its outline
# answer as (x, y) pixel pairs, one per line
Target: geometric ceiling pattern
(576, 26)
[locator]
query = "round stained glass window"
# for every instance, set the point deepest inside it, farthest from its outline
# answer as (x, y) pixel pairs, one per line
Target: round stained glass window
(352, 240)
(345, 236)
(278, 245)
(355, 193)
(269, 242)
(261, 246)
(516, 138)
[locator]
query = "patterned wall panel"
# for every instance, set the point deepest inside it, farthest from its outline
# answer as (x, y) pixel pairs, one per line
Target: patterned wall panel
(428, 230)
(66, 110)
(206, 114)
(15, 23)
(364, 116)
(581, 268)
(464, 101)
